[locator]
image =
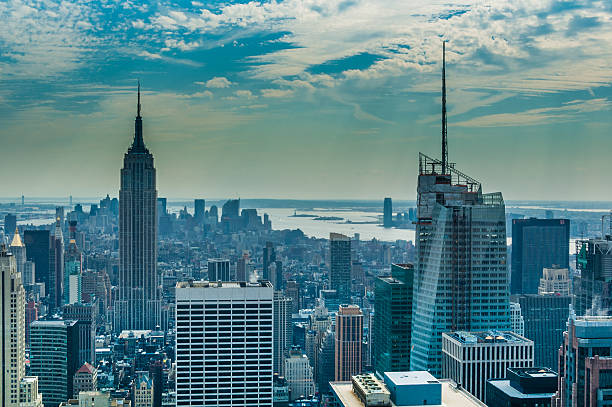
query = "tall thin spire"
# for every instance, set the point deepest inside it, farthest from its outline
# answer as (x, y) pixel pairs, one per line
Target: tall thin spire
(138, 114)
(444, 135)
(138, 144)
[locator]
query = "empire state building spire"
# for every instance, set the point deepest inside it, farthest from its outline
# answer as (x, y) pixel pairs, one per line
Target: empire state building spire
(138, 145)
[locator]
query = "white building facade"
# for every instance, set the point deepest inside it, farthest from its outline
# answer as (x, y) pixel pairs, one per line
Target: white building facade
(298, 374)
(471, 358)
(224, 344)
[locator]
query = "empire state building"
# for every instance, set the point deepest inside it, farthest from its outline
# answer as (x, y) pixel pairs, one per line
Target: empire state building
(138, 305)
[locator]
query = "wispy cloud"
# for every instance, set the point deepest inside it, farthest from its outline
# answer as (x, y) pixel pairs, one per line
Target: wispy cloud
(569, 111)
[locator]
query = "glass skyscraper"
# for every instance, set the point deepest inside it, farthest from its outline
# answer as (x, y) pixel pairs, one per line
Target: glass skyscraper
(537, 244)
(461, 279)
(138, 305)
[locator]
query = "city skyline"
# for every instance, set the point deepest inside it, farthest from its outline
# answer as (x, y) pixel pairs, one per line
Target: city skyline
(259, 83)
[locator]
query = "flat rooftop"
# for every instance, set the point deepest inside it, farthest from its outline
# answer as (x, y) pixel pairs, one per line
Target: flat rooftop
(452, 396)
(221, 284)
(406, 378)
(504, 385)
(486, 337)
(533, 372)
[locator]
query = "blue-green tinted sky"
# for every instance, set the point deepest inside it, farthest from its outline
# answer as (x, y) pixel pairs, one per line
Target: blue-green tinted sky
(306, 98)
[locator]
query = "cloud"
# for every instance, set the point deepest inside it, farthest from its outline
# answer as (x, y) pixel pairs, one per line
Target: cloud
(569, 111)
(245, 94)
(276, 93)
(149, 55)
(218, 82)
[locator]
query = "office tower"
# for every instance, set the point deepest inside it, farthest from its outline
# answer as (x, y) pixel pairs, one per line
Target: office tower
(283, 330)
(18, 249)
(38, 251)
(73, 261)
(55, 289)
(348, 338)
(593, 286)
(28, 392)
(392, 321)
(517, 322)
(219, 270)
(537, 244)
(231, 209)
(241, 268)
(325, 367)
(461, 278)
(142, 391)
(292, 290)
(86, 317)
(471, 358)
(298, 373)
(555, 281)
(213, 214)
(54, 350)
(31, 315)
(12, 330)
(545, 319)
(387, 213)
(224, 344)
(523, 386)
(85, 379)
(587, 343)
(10, 225)
(340, 265)
(199, 209)
(138, 305)
(269, 257)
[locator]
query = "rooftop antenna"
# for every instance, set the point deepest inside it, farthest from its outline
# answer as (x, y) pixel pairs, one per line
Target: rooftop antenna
(138, 115)
(444, 138)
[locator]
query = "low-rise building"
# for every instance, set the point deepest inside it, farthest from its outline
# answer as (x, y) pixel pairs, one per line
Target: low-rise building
(525, 387)
(400, 389)
(472, 358)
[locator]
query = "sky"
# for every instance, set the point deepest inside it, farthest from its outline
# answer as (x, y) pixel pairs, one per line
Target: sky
(306, 99)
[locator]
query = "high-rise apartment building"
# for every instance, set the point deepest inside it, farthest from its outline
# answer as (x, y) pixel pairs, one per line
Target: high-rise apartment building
(219, 270)
(555, 281)
(12, 330)
(224, 344)
(340, 265)
(472, 358)
(545, 319)
(387, 213)
(392, 322)
(138, 305)
(585, 363)
(592, 287)
(54, 349)
(461, 276)
(283, 330)
(325, 366)
(29, 395)
(537, 244)
(348, 342)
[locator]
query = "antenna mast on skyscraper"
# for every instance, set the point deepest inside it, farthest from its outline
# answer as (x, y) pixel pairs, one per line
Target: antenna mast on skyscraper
(444, 141)
(138, 109)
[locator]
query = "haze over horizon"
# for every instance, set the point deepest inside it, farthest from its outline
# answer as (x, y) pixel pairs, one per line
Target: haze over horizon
(295, 99)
